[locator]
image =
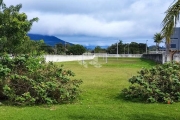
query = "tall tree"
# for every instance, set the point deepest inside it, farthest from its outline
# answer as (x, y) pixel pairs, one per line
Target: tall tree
(113, 48)
(60, 49)
(47, 49)
(13, 27)
(158, 39)
(170, 21)
(133, 48)
(142, 48)
(76, 50)
(98, 49)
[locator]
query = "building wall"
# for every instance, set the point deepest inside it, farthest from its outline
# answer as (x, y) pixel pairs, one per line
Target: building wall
(175, 39)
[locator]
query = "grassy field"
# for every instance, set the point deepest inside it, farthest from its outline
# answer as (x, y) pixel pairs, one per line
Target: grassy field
(99, 100)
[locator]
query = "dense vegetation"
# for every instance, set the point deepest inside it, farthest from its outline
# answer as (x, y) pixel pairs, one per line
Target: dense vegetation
(127, 48)
(26, 80)
(158, 84)
(13, 29)
(76, 50)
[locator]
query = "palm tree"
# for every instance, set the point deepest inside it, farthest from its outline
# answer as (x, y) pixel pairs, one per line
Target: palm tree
(170, 21)
(158, 39)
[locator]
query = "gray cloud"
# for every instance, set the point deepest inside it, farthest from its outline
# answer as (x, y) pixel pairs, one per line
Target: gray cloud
(125, 19)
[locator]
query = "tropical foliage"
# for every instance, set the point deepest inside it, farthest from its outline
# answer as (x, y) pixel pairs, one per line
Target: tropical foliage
(125, 48)
(98, 49)
(158, 84)
(76, 50)
(13, 28)
(158, 39)
(170, 21)
(26, 80)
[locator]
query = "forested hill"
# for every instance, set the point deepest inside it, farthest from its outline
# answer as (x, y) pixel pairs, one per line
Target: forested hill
(49, 40)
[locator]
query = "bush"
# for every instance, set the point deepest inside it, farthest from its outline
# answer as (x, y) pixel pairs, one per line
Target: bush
(158, 84)
(27, 80)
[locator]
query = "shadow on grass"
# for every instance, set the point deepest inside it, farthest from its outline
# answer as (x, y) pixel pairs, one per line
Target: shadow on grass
(129, 116)
(150, 62)
(150, 116)
(120, 97)
(92, 117)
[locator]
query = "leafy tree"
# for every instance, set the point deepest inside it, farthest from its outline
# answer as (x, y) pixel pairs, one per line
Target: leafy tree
(170, 21)
(60, 49)
(36, 47)
(98, 49)
(113, 48)
(120, 47)
(142, 48)
(158, 39)
(47, 49)
(3, 40)
(134, 48)
(13, 28)
(19, 82)
(76, 50)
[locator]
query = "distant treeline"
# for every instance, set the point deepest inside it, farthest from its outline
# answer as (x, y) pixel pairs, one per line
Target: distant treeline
(123, 48)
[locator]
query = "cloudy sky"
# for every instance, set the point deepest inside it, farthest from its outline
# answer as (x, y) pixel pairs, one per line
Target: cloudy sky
(96, 22)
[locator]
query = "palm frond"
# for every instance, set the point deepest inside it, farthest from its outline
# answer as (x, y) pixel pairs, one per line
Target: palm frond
(171, 19)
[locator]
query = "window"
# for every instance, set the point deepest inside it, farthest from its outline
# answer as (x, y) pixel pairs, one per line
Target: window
(173, 45)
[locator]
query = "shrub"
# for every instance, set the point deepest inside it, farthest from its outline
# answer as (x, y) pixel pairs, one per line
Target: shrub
(27, 80)
(158, 84)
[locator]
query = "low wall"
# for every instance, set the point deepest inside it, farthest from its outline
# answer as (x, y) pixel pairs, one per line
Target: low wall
(62, 58)
(176, 57)
(162, 58)
(159, 58)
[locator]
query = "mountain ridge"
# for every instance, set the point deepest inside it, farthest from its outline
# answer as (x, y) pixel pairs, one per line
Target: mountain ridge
(53, 40)
(49, 40)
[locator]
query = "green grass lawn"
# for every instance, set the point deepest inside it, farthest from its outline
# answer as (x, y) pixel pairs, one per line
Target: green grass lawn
(100, 98)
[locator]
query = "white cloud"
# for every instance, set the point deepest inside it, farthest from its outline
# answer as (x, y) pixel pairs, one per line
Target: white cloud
(127, 19)
(79, 24)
